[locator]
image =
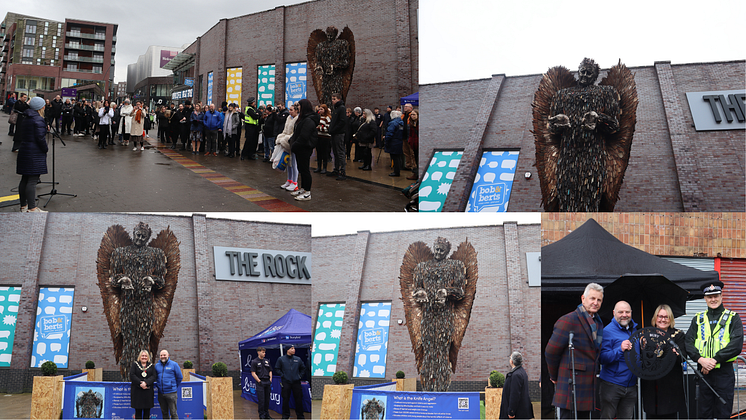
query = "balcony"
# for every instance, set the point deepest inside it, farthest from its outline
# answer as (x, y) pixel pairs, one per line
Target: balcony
(84, 59)
(85, 47)
(85, 36)
(96, 71)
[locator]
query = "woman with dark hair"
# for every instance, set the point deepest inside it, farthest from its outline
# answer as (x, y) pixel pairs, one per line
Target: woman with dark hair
(105, 121)
(323, 149)
(143, 375)
(663, 398)
(302, 143)
(32, 154)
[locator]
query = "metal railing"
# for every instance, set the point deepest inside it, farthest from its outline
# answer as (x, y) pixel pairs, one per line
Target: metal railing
(84, 47)
(85, 35)
(737, 403)
(84, 59)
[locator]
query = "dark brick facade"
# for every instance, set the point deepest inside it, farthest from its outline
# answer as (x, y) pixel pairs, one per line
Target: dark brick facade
(385, 33)
(208, 317)
(505, 315)
(672, 167)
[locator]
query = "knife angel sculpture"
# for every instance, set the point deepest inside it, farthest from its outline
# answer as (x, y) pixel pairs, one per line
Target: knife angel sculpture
(331, 61)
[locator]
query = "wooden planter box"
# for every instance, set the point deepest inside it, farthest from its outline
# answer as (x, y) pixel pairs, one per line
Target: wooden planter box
(336, 402)
(46, 398)
(406, 384)
(219, 398)
(95, 375)
(492, 400)
(185, 373)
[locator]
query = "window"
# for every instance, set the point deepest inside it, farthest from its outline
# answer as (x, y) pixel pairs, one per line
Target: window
(27, 52)
(43, 52)
(38, 61)
(30, 26)
(21, 83)
(29, 40)
(27, 61)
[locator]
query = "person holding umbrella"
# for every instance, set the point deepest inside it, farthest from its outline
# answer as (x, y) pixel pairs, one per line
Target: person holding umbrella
(714, 340)
(663, 398)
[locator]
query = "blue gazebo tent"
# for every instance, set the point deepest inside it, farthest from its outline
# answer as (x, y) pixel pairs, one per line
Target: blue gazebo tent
(413, 99)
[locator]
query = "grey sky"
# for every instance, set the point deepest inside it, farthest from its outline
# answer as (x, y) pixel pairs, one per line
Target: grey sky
(329, 224)
(475, 39)
(144, 23)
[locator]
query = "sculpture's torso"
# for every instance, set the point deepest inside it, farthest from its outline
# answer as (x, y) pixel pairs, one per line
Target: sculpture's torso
(333, 57)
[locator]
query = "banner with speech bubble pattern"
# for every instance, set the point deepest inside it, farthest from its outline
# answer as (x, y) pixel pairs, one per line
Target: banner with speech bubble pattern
(233, 85)
(326, 338)
(9, 298)
(265, 85)
(438, 179)
(295, 83)
(372, 340)
(52, 328)
(493, 182)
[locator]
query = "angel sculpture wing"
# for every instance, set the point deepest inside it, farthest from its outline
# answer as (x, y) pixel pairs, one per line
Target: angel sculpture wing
(620, 144)
(416, 254)
(116, 237)
(318, 36)
(347, 74)
(617, 145)
(547, 144)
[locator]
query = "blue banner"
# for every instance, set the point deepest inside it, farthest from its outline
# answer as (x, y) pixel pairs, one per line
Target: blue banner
(372, 403)
(209, 88)
(52, 327)
(275, 397)
(295, 83)
(372, 340)
(111, 400)
(493, 182)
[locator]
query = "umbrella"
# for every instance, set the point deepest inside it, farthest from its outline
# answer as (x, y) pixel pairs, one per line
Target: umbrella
(644, 292)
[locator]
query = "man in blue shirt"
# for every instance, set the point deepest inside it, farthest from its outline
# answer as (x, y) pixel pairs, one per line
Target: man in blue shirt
(291, 370)
(169, 379)
(618, 386)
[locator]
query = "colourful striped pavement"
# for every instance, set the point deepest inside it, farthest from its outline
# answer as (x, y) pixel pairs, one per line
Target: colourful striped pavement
(257, 197)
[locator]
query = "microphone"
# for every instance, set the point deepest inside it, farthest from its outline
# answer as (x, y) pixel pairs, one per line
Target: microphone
(572, 334)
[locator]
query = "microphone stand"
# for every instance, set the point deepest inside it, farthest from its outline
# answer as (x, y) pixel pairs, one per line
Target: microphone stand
(696, 386)
(55, 134)
(571, 346)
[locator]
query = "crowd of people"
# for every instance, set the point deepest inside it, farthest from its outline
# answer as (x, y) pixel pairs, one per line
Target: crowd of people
(289, 137)
(580, 346)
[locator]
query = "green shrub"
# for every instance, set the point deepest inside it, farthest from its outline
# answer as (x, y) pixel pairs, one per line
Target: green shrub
(90, 365)
(188, 364)
(497, 379)
(49, 368)
(219, 370)
(400, 375)
(340, 378)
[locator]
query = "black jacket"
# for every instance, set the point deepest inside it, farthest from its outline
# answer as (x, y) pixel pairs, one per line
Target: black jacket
(290, 368)
(142, 398)
(280, 120)
(516, 401)
(32, 153)
(56, 108)
(339, 119)
(305, 135)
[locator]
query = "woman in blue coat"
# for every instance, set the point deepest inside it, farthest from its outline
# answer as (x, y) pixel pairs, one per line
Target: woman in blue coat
(394, 142)
(32, 154)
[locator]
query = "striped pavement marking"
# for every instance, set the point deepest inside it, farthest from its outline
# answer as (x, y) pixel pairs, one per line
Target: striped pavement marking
(9, 198)
(257, 197)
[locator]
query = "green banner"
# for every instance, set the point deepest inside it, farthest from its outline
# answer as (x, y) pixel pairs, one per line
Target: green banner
(9, 298)
(326, 338)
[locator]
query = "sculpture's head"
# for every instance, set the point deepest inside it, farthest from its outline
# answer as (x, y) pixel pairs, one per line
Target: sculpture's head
(588, 72)
(141, 234)
(441, 248)
(331, 33)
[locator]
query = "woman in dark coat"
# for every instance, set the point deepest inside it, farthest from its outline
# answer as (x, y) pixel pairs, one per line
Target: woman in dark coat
(664, 397)
(304, 139)
(32, 154)
(516, 403)
(143, 376)
(394, 142)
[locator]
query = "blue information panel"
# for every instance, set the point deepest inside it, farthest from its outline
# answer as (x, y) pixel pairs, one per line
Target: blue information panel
(414, 405)
(493, 182)
(52, 327)
(372, 340)
(111, 400)
(295, 83)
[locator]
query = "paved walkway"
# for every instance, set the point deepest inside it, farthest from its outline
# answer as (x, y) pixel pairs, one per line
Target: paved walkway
(160, 180)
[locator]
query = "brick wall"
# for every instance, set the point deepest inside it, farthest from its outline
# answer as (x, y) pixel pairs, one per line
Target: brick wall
(208, 317)
(672, 167)
(489, 338)
(386, 65)
(671, 234)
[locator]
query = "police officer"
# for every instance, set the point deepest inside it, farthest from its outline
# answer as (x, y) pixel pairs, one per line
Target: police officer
(291, 370)
(251, 128)
(714, 339)
(261, 370)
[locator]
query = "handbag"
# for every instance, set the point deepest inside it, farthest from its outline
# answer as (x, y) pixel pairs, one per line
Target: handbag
(13, 119)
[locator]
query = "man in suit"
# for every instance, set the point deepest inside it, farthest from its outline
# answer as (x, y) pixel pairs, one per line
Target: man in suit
(586, 329)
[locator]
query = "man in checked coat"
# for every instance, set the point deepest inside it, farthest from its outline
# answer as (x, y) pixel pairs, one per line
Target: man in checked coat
(587, 329)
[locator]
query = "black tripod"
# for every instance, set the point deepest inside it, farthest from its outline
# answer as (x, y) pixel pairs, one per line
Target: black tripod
(55, 134)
